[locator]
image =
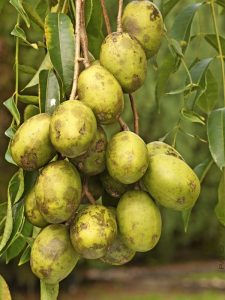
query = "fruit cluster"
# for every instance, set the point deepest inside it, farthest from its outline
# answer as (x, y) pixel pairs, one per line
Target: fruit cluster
(126, 177)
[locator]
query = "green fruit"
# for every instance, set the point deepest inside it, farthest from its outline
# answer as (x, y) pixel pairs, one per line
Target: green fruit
(118, 253)
(162, 148)
(93, 161)
(99, 90)
(171, 182)
(31, 147)
(32, 212)
(58, 191)
(112, 186)
(30, 111)
(143, 20)
(73, 128)
(139, 221)
(123, 56)
(52, 255)
(92, 231)
(126, 157)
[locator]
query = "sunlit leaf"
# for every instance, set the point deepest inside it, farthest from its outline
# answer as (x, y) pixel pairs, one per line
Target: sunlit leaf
(30, 111)
(8, 156)
(19, 7)
(11, 106)
(4, 290)
(10, 132)
(19, 32)
(49, 291)
(25, 257)
(28, 99)
(220, 207)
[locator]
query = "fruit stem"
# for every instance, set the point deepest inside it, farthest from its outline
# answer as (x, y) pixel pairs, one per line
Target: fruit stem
(123, 124)
(106, 17)
(77, 50)
(135, 114)
(119, 16)
(219, 45)
(83, 36)
(86, 192)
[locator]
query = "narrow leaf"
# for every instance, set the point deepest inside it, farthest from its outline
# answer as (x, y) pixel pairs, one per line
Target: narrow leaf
(10, 132)
(27, 69)
(211, 39)
(198, 69)
(28, 99)
(19, 7)
(25, 257)
(88, 11)
(220, 207)
(168, 6)
(8, 156)
(220, 2)
(37, 10)
(192, 116)
(216, 136)
(19, 32)
(49, 291)
(11, 106)
(30, 111)
(4, 290)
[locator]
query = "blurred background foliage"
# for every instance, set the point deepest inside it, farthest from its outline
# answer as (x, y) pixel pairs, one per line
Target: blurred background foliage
(204, 234)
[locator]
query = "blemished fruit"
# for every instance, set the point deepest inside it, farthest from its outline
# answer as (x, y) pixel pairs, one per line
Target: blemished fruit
(112, 186)
(157, 147)
(139, 221)
(99, 90)
(126, 157)
(143, 20)
(52, 255)
(31, 147)
(93, 161)
(32, 212)
(92, 231)
(58, 191)
(171, 182)
(122, 55)
(73, 128)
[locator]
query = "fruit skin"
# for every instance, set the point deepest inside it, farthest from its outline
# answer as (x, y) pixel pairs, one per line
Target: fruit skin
(73, 128)
(123, 56)
(143, 20)
(93, 161)
(58, 191)
(52, 254)
(32, 212)
(99, 90)
(139, 221)
(112, 186)
(171, 182)
(31, 147)
(157, 147)
(126, 157)
(92, 231)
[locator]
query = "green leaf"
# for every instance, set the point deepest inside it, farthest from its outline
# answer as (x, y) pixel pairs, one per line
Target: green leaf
(168, 6)
(45, 65)
(88, 11)
(49, 91)
(186, 217)
(25, 257)
(185, 90)
(27, 69)
(28, 99)
(29, 180)
(49, 291)
(60, 43)
(192, 116)
(17, 186)
(216, 136)
(4, 290)
(8, 156)
(220, 207)
(208, 99)
(37, 10)
(11, 106)
(211, 39)
(10, 132)
(182, 24)
(19, 7)
(30, 111)
(220, 2)
(199, 68)
(19, 32)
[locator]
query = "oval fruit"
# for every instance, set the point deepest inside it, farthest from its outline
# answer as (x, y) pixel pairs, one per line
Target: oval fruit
(31, 147)
(58, 191)
(73, 128)
(52, 254)
(99, 90)
(139, 221)
(143, 20)
(171, 182)
(92, 231)
(123, 56)
(157, 147)
(126, 157)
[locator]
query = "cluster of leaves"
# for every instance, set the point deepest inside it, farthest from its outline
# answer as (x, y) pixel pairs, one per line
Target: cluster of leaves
(56, 19)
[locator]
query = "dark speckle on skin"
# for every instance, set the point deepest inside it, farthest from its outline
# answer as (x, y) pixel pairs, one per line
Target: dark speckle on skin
(154, 238)
(192, 185)
(57, 126)
(45, 272)
(131, 25)
(146, 38)
(82, 130)
(100, 146)
(98, 75)
(181, 200)
(136, 82)
(29, 160)
(154, 14)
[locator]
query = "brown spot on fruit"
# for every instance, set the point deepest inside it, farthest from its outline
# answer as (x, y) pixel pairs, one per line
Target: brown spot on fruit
(154, 14)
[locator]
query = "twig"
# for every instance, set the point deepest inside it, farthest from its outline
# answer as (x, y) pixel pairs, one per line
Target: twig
(106, 17)
(119, 16)
(84, 39)
(86, 192)
(135, 114)
(77, 50)
(123, 124)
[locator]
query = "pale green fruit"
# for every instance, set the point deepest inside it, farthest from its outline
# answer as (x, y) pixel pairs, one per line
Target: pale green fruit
(112, 186)
(58, 191)
(32, 212)
(99, 90)
(126, 157)
(92, 231)
(139, 221)
(73, 128)
(31, 147)
(93, 161)
(171, 182)
(143, 20)
(157, 147)
(123, 56)
(52, 255)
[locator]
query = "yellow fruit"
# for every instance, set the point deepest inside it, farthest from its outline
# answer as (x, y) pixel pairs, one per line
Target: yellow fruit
(157, 147)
